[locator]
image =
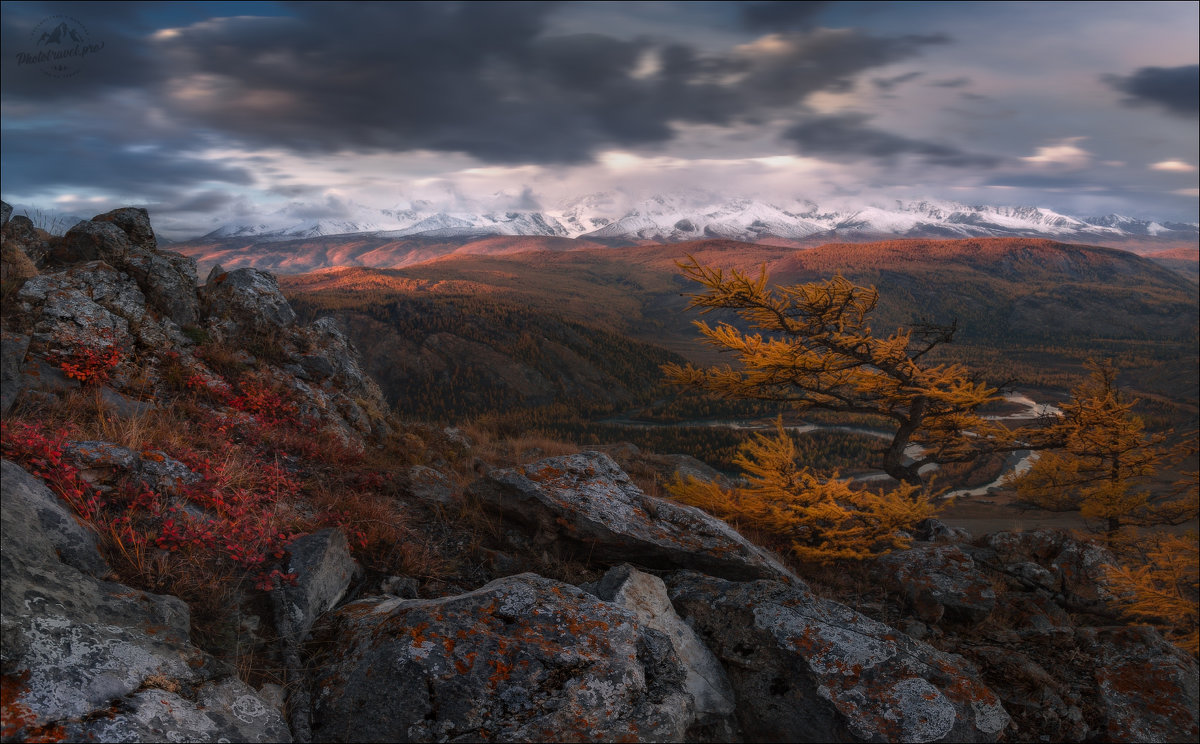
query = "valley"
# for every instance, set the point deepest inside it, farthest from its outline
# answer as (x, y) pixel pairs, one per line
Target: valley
(565, 343)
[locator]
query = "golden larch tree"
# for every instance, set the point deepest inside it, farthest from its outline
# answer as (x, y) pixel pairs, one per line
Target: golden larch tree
(1107, 463)
(815, 349)
(1164, 588)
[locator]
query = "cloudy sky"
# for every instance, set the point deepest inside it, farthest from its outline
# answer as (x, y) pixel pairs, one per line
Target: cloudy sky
(209, 112)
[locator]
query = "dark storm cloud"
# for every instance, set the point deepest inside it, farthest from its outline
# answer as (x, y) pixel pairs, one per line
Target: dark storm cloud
(1177, 89)
(780, 16)
(482, 79)
(847, 137)
(125, 60)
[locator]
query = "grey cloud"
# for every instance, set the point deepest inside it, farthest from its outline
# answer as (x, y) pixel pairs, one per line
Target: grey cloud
(957, 82)
(892, 82)
(482, 79)
(44, 158)
(847, 137)
(780, 16)
(1177, 89)
(203, 201)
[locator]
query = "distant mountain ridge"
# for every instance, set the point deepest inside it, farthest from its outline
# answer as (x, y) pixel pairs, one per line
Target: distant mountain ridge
(663, 218)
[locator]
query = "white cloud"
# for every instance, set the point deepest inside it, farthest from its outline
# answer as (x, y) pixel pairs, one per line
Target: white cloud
(1176, 166)
(1063, 152)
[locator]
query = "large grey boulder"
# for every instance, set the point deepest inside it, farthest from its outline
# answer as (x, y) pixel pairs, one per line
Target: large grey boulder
(523, 658)
(26, 501)
(88, 659)
(91, 241)
(324, 568)
(645, 595)
(809, 669)
(936, 581)
(586, 499)
(250, 300)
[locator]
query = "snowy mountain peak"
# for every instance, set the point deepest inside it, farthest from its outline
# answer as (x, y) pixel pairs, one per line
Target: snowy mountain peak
(696, 214)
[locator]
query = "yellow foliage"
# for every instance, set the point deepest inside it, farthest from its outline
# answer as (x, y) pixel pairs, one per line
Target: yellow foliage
(820, 352)
(1166, 588)
(820, 519)
(1106, 463)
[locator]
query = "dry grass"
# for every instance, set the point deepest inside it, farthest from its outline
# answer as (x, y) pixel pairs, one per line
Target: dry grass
(509, 451)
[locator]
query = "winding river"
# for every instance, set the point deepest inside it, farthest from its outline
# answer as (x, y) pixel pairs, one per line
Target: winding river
(1020, 408)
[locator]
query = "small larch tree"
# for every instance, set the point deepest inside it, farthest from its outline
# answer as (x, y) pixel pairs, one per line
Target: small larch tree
(816, 350)
(1107, 464)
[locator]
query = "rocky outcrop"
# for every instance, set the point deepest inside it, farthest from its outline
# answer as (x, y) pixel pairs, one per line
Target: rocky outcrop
(1050, 559)
(645, 595)
(107, 285)
(938, 581)
(1147, 688)
(248, 301)
(521, 659)
(89, 659)
(588, 501)
(808, 669)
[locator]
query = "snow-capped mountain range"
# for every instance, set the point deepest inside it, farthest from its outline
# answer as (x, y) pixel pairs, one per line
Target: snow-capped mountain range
(610, 216)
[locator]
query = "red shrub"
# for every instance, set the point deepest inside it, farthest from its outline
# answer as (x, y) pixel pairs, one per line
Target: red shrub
(89, 362)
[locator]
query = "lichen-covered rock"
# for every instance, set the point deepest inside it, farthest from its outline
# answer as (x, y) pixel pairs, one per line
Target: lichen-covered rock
(1032, 695)
(588, 500)
(523, 658)
(1075, 566)
(79, 652)
(224, 711)
(1147, 687)
(169, 283)
(103, 462)
(89, 301)
(324, 569)
(250, 299)
(808, 669)
(646, 596)
(936, 581)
